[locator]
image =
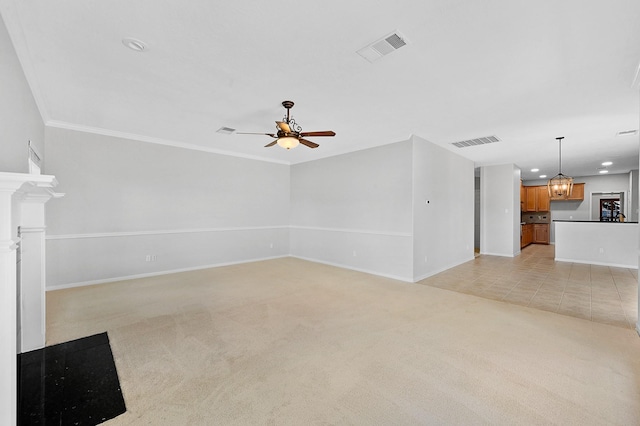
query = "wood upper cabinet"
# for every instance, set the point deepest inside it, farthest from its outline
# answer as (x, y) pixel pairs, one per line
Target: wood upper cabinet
(578, 192)
(536, 199)
(543, 199)
(530, 203)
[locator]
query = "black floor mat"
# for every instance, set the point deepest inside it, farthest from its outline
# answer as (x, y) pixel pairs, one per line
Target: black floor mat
(73, 383)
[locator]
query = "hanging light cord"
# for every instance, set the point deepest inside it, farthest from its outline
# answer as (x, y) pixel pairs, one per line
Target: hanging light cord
(560, 154)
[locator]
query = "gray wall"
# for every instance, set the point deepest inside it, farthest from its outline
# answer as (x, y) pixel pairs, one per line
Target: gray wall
(443, 208)
(126, 200)
(20, 120)
(354, 210)
(367, 210)
(500, 210)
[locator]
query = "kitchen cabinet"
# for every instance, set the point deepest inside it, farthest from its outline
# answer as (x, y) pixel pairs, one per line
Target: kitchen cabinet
(541, 233)
(577, 194)
(526, 237)
(530, 199)
(543, 199)
(536, 199)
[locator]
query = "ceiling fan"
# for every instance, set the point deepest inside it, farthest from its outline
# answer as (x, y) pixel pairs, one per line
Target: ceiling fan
(289, 133)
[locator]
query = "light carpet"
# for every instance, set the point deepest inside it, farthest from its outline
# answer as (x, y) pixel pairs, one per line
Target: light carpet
(288, 341)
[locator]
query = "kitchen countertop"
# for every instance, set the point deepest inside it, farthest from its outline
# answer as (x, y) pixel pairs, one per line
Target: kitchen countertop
(590, 221)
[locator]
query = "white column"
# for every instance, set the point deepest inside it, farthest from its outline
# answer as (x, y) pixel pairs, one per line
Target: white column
(22, 198)
(32, 289)
(8, 303)
(32, 272)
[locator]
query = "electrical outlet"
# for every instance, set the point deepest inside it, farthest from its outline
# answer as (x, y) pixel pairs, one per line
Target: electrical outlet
(147, 258)
(355, 254)
(271, 245)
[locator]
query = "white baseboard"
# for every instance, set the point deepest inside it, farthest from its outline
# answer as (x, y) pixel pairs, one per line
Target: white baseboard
(366, 271)
(499, 254)
(430, 274)
(155, 274)
(615, 265)
(216, 265)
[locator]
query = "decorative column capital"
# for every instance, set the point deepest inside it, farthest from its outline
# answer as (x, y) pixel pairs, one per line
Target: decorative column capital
(7, 246)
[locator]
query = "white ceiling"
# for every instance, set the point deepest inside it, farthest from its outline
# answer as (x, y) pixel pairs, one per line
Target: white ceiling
(525, 71)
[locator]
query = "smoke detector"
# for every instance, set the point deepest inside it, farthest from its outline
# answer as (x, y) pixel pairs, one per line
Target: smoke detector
(382, 47)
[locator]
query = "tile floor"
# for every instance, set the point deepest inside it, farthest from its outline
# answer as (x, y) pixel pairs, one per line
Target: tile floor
(598, 293)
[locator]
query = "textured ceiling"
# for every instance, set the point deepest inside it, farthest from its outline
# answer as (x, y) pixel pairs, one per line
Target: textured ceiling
(524, 71)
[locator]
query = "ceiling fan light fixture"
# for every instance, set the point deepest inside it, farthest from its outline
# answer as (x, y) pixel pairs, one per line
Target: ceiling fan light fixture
(288, 142)
(290, 134)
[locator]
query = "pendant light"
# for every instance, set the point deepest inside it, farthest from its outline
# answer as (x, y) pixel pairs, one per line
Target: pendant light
(560, 186)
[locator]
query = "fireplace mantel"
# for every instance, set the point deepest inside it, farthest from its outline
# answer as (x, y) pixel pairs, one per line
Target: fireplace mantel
(22, 199)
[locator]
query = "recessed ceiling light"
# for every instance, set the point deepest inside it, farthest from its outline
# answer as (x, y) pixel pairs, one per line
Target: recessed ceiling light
(543, 176)
(134, 44)
(535, 170)
(604, 171)
(607, 163)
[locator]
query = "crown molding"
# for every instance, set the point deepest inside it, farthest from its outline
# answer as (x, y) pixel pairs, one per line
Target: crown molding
(150, 139)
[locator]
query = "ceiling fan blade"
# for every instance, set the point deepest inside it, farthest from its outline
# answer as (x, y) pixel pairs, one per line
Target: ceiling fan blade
(308, 143)
(271, 144)
(283, 126)
(245, 133)
(322, 133)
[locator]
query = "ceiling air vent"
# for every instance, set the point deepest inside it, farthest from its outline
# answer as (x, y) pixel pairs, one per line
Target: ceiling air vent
(478, 141)
(627, 132)
(225, 130)
(382, 47)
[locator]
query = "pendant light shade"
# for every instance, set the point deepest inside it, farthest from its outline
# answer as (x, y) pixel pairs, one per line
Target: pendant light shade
(560, 185)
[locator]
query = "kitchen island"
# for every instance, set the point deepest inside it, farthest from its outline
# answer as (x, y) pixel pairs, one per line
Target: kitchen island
(598, 243)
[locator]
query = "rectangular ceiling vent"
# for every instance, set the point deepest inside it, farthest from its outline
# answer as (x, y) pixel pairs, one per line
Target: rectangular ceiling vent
(478, 141)
(225, 130)
(627, 132)
(382, 47)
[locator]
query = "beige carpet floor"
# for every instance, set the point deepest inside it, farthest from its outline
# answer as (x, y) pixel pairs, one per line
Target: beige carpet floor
(290, 342)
